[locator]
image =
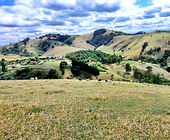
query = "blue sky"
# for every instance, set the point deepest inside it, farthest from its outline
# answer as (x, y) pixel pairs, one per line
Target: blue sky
(143, 3)
(30, 18)
(6, 2)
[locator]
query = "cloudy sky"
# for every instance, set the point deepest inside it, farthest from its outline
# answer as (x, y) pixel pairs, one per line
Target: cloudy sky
(30, 18)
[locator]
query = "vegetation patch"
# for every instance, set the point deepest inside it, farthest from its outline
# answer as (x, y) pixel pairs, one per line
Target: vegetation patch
(94, 56)
(55, 92)
(36, 109)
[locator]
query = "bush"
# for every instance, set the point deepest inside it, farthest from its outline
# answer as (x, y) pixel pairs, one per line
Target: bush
(168, 69)
(85, 67)
(24, 73)
(83, 70)
(28, 73)
(148, 76)
(63, 66)
(128, 67)
(144, 47)
(3, 65)
(53, 74)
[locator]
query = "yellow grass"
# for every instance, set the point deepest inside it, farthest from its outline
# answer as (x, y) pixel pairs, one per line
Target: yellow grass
(72, 109)
(61, 51)
(9, 57)
(80, 42)
(134, 43)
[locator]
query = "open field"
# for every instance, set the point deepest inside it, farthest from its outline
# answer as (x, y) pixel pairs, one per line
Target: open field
(72, 109)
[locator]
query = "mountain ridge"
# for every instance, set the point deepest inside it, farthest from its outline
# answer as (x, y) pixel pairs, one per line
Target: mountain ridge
(109, 41)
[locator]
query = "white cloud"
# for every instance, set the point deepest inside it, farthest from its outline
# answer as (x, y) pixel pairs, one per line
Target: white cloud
(161, 3)
(35, 17)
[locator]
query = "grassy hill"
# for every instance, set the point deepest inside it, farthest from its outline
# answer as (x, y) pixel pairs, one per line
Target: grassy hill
(108, 41)
(61, 51)
(72, 109)
(130, 45)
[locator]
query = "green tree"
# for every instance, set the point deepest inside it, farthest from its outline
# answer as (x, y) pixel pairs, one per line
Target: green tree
(144, 47)
(53, 74)
(128, 67)
(138, 74)
(149, 69)
(3, 65)
(63, 66)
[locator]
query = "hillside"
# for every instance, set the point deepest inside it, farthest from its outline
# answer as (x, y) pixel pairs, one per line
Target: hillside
(140, 50)
(60, 51)
(105, 40)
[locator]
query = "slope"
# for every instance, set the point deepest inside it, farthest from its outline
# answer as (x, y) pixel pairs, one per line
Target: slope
(130, 45)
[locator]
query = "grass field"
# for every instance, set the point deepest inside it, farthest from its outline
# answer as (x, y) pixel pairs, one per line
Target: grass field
(61, 51)
(131, 44)
(72, 109)
(9, 57)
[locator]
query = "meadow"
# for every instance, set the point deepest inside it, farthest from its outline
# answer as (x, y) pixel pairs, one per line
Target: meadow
(73, 109)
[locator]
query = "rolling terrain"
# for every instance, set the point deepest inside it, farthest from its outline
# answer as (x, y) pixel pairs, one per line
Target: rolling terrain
(97, 106)
(130, 45)
(107, 41)
(155, 53)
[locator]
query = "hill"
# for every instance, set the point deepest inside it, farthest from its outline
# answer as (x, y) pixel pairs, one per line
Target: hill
(61, 51)
(108, 41)
(130, 46)
(140, 50)
(72, 109)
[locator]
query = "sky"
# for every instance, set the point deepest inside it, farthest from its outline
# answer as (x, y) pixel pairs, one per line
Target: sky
(31, 18)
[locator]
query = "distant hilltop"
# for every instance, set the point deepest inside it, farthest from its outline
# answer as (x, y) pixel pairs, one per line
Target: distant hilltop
(128, 45)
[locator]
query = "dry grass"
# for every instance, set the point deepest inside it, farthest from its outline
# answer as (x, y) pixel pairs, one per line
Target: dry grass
(80, 42)
(134, 43)
(61, 51)
(72, 109)
(9, 57)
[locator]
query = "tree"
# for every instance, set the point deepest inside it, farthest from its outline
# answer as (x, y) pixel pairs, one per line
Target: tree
(138, 74)
(148, 76)
(3, 65)
(79, 67)
(149, 69)
(112, 77)
(63, 66)
(128, 67)
(24, 73)
(53, 74)
(86, 56)
(144, 47)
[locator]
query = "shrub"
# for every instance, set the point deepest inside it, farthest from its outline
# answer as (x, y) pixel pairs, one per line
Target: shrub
(144, 47)
(27, 73)
(112, 77)
(3, 65)
(23, 73)
(168, 69)
(63, 66)
(149, 69)
(148, 76)
(128, 67)
(53, 74)
(78, 65)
